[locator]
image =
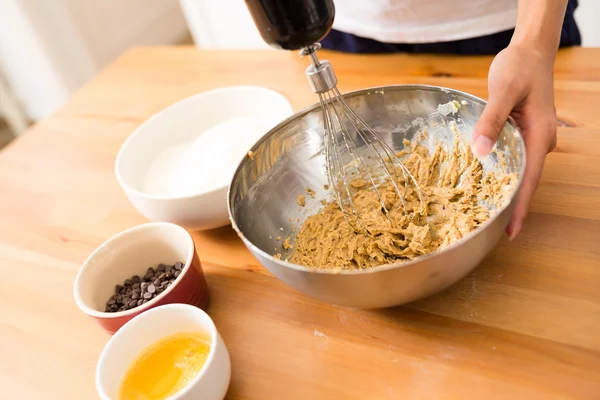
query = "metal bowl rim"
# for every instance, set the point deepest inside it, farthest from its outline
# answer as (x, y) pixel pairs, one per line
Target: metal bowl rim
(384, 267)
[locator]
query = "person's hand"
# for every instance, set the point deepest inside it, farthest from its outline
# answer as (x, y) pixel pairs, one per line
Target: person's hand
(520, 84)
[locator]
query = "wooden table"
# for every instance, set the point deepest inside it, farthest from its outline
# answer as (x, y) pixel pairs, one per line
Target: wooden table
(525, 324)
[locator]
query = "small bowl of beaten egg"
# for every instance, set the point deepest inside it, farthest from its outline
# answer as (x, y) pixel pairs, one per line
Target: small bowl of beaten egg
(170, 352)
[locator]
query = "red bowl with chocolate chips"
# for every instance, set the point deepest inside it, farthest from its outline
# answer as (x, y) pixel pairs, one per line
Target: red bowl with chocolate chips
(140, 268)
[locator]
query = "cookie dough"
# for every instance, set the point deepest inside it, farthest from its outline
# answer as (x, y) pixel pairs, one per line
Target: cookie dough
(457, 197)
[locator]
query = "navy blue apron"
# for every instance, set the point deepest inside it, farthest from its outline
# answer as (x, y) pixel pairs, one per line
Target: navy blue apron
(489, 44)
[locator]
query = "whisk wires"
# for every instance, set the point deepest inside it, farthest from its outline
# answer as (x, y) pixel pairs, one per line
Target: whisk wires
(342, 127)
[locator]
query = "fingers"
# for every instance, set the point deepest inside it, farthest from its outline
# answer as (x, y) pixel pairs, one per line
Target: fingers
(537, 144)
(491, 122)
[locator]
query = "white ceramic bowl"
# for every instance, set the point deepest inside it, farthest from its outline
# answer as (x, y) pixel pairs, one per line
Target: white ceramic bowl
(181, 123)
(212, 381)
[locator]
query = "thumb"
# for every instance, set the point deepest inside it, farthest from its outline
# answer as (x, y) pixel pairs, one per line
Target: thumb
(490, 124)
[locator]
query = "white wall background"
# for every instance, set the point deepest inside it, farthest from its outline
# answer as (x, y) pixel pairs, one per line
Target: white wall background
(48, 48)
(588, 19)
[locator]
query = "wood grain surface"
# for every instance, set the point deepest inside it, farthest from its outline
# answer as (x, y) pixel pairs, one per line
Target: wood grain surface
(525, 324)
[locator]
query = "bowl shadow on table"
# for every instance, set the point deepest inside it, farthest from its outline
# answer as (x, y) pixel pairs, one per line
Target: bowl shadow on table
(221, 234)
(222, 247)
(459, 301)
(449, 327)
(456, 313)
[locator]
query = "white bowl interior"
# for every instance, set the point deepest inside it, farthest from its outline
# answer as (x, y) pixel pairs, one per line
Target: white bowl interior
(129, 253)
(142, 331)
(183, 121)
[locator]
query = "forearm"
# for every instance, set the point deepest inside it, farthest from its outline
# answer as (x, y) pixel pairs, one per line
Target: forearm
(539, 23)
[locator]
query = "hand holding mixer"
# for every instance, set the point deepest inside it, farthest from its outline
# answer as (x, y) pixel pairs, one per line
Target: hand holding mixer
(299, 25)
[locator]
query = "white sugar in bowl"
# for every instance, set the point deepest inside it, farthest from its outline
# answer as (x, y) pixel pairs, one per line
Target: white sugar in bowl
(176, 166)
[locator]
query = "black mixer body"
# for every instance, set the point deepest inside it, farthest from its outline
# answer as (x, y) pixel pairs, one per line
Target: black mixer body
(292, 24)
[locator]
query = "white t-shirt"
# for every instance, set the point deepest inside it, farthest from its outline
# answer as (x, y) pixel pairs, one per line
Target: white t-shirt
(424, 21)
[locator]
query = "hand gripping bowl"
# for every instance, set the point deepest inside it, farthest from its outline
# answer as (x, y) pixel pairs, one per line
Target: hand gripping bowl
(262, 196)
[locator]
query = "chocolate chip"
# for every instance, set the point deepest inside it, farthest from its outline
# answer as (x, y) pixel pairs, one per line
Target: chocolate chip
(137, 290)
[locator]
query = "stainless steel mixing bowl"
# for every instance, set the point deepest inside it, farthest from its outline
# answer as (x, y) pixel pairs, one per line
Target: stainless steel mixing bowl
(262, 196)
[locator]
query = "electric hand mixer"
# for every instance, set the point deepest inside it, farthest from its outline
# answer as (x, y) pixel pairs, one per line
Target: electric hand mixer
(299, 25)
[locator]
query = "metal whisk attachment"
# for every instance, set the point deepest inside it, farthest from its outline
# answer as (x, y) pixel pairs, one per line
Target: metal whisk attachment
(355, 154)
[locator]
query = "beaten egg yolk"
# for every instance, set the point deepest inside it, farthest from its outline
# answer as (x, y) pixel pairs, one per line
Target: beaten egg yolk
(165, 367)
